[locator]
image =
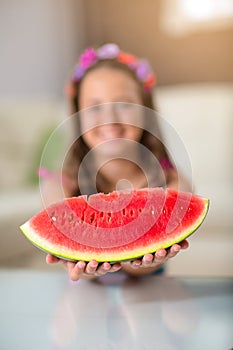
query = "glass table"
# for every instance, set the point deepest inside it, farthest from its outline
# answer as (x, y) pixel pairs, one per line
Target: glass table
(45, 310)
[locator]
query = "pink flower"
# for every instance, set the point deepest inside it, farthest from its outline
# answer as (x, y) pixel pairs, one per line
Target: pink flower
(44, 173)
(166, 164)
(88, 58)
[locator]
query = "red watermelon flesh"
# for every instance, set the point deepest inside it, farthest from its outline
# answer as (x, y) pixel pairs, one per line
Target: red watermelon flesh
(119, 226)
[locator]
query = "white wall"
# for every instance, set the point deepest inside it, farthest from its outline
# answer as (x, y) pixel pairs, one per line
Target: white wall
(40, 41)
(202, 115)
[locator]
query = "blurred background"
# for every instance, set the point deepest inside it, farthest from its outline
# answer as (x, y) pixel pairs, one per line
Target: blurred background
(189, 45)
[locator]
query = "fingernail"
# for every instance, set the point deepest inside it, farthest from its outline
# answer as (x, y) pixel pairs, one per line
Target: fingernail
(106, 266)
(81, 264)
(177, 248)
(94, 263)
(161, 253)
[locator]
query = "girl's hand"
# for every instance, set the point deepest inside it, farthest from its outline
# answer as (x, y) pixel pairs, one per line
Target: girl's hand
(81, 269)
(138, 267)
(150, 262)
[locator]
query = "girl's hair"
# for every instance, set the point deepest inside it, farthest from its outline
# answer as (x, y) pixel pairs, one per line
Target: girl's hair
(79, 149)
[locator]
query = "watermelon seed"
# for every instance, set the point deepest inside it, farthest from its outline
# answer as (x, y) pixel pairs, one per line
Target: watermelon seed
(52, 215)
(70, 218)
(63, 218)
(92, 217)
(164, 211)
(152, 212)
(131, 212)
(124, 211)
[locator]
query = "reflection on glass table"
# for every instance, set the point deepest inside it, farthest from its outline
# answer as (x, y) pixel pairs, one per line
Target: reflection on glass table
(44, 310)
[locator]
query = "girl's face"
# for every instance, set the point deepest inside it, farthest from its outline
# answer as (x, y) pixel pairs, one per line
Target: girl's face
(109, 96)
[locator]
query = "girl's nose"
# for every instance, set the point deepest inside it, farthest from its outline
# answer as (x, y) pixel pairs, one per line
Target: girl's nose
(109, 114)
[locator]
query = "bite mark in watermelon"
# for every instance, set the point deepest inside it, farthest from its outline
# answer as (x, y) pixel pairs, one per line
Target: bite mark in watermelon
(122, 225)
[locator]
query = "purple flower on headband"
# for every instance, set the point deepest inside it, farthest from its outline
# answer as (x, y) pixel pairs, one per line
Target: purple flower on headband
(108, 51)
(143, 70)
(78, 73)
(88, 58)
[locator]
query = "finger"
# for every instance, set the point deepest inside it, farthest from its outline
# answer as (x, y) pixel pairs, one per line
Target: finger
(184, 244)
(174, 250)
(115, 267)
(91, 267)
(75, 270)
(103, 269)
(136, 263)
(147, 260)
(51, 259)
(160, 255)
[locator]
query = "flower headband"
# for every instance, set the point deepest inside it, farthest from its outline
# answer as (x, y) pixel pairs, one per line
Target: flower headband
(90, 56)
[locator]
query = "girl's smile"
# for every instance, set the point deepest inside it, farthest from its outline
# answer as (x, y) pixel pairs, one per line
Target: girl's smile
(111, 131)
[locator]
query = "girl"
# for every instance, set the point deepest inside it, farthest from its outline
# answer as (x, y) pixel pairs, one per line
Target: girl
(116, 86)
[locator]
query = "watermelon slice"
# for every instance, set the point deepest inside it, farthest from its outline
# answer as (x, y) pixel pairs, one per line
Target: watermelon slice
(122, 225)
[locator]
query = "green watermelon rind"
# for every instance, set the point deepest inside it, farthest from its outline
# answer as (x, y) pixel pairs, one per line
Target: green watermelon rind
(109, 256)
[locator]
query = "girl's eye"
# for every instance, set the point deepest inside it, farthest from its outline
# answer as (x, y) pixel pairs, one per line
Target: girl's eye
(92, 111)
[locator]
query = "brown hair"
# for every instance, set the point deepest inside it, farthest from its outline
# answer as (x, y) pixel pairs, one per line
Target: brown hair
(79, 149)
